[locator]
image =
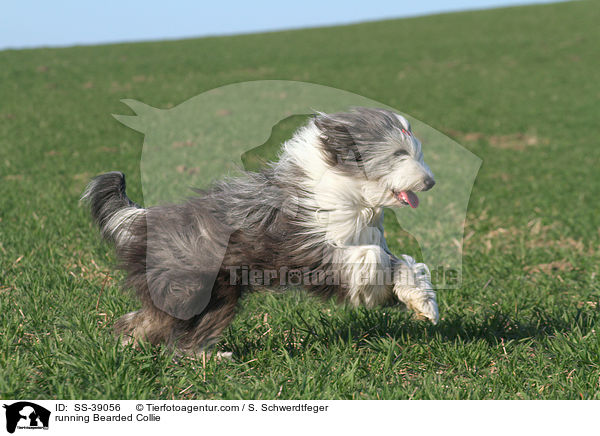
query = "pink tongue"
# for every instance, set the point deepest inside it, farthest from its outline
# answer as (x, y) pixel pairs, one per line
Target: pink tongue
(411, 198)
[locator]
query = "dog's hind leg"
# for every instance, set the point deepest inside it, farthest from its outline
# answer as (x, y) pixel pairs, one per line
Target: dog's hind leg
(190, 337)
(413, 288)
(148, 324)
(124, 327)
(204, 330)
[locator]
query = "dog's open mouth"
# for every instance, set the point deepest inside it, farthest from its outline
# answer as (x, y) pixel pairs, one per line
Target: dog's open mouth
(407, 198)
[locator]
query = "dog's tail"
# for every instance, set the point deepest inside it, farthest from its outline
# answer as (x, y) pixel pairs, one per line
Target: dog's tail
(112, 210)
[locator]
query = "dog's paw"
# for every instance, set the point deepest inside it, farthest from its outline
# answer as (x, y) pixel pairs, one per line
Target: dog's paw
(427, 309)
(203, 356)
(420, 301)
(224, 355)
(416, 291)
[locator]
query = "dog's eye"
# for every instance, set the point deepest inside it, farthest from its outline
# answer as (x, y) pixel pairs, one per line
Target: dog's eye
(399, 153)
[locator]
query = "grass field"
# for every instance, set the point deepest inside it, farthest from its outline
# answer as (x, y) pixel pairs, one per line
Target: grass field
(518, 87)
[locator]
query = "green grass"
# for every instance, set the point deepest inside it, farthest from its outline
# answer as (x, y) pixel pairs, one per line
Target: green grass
(523, 325)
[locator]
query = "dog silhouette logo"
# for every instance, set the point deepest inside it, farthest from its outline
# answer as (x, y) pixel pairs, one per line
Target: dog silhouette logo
(26, 415)
(225, 129)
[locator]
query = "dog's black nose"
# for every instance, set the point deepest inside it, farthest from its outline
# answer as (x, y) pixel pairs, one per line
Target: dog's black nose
(428, 183)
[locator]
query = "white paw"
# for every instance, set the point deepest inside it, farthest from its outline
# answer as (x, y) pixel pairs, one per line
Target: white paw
(203, 356)
(427, 308)
(414, 289)
(224, 355)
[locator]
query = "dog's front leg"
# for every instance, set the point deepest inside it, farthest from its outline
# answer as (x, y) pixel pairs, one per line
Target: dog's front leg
(412, 286)
(364, 268)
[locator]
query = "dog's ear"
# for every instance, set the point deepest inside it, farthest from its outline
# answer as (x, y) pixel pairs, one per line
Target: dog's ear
(338, 144)
(335, 132)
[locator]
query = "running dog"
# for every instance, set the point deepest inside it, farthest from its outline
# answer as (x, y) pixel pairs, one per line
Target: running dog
(317, 211)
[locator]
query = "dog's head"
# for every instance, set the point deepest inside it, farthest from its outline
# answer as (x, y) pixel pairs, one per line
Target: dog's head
(377, 147)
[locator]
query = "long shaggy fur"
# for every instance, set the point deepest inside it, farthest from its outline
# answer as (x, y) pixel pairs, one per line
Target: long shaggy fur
(318, 209)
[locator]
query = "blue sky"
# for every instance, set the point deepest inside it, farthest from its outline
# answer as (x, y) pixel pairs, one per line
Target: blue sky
(29, 23)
